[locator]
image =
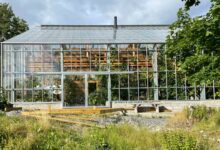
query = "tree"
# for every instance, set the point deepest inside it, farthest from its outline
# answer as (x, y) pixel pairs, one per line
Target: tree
(195, 42)
(190, 3)
(10, 25)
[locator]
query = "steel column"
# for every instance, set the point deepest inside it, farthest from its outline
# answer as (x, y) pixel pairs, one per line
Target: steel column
(86, 90)
(155, 73)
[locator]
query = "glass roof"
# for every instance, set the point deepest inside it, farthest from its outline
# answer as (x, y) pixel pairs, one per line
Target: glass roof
(80, 34)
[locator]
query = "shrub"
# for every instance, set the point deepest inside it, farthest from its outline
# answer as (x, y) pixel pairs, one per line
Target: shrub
(98, 97)
(120, 137)
(199, 112)
(3, 100)
(182, 140)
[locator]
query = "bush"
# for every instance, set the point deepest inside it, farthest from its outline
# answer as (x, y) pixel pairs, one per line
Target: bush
(182, 140)
(3, 100)
(22, 133)
(121, 137)
(98, 97)
(199, 112)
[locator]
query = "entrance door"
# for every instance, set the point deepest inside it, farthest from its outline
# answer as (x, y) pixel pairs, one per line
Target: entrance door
(85, 90)
(74, 90)
(97, 90)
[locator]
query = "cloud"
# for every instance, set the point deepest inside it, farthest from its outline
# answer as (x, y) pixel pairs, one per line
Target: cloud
(37, 12)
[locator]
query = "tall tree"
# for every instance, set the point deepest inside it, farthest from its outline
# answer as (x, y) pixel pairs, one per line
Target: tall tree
(195, 42)
(10, 25)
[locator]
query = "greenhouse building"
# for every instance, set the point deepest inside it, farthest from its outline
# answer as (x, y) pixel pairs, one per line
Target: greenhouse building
(87, 65)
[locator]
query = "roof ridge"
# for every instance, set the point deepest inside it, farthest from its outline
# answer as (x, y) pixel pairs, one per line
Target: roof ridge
(122, 25)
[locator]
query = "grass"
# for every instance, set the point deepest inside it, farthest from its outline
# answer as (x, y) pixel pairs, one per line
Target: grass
(23, 133)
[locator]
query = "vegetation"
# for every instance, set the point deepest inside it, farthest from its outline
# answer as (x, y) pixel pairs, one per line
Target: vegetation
(25, 133)
(198, 118)
(181, 140)
(73, 90)
(190, 3)
(98, 97)
(195, 43)
(10, 25)
(3, 100)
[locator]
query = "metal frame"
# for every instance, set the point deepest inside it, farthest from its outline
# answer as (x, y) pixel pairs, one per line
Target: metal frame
(63, 73)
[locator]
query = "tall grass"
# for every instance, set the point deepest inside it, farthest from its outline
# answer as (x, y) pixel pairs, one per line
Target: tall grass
(31, 134)
(122, 137)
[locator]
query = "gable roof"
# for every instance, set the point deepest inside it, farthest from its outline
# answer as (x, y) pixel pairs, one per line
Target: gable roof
(99, 34)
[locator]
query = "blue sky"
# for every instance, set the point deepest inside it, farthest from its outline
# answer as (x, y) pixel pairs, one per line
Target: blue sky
(37, 12)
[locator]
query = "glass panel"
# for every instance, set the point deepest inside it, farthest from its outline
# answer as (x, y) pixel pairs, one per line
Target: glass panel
(143, 94)
(217, 93)
(18, 96)
(34, 61)
(124, 80)
(115, 80)
(162, 79)
(97, 90)
(115, 94)
(209, 92)
(190, 93)
(171, 93)
(143, 79)
(37, 95)
(28, 96)
(133, 82)
(114, 57)
(181, 93)
(74, 90)
(124, 94)
(47, 95)
(123, 57)
(56, 61)
(85, 60)
(133, 94)
(162, 94)
(18, 81)
(28, 83)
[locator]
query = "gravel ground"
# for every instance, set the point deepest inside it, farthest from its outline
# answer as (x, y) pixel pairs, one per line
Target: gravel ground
(13, 113)
(151, 123)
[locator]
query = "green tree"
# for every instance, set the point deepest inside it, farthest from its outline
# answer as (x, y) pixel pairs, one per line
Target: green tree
(190, 3)
(10, 25)
(195, 42)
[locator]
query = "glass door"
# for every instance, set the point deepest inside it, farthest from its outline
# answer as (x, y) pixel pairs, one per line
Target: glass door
(97, 90)
(74, 90)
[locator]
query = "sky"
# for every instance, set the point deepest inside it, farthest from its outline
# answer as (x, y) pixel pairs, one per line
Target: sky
(37, 12)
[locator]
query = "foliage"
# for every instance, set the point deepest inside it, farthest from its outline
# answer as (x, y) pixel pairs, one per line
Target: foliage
(98, 97)
(122, 137)
(212, 122)
(198, 113)
(182, 140)
(3, 100)
(10, 25)
(195, 42)
(73, 93)
(189, 3)
(19, 133)
(25, 133)
(202, 112)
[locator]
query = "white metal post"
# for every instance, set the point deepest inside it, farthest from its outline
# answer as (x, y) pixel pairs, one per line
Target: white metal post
(109, 76)
(1, 64)
(86, 90)
(62, 76)
(155, 73)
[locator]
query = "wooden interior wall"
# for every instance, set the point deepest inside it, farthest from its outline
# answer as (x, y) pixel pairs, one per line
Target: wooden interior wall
(90, 58)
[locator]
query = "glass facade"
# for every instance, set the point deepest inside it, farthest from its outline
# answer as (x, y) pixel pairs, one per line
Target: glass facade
(91, 74)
